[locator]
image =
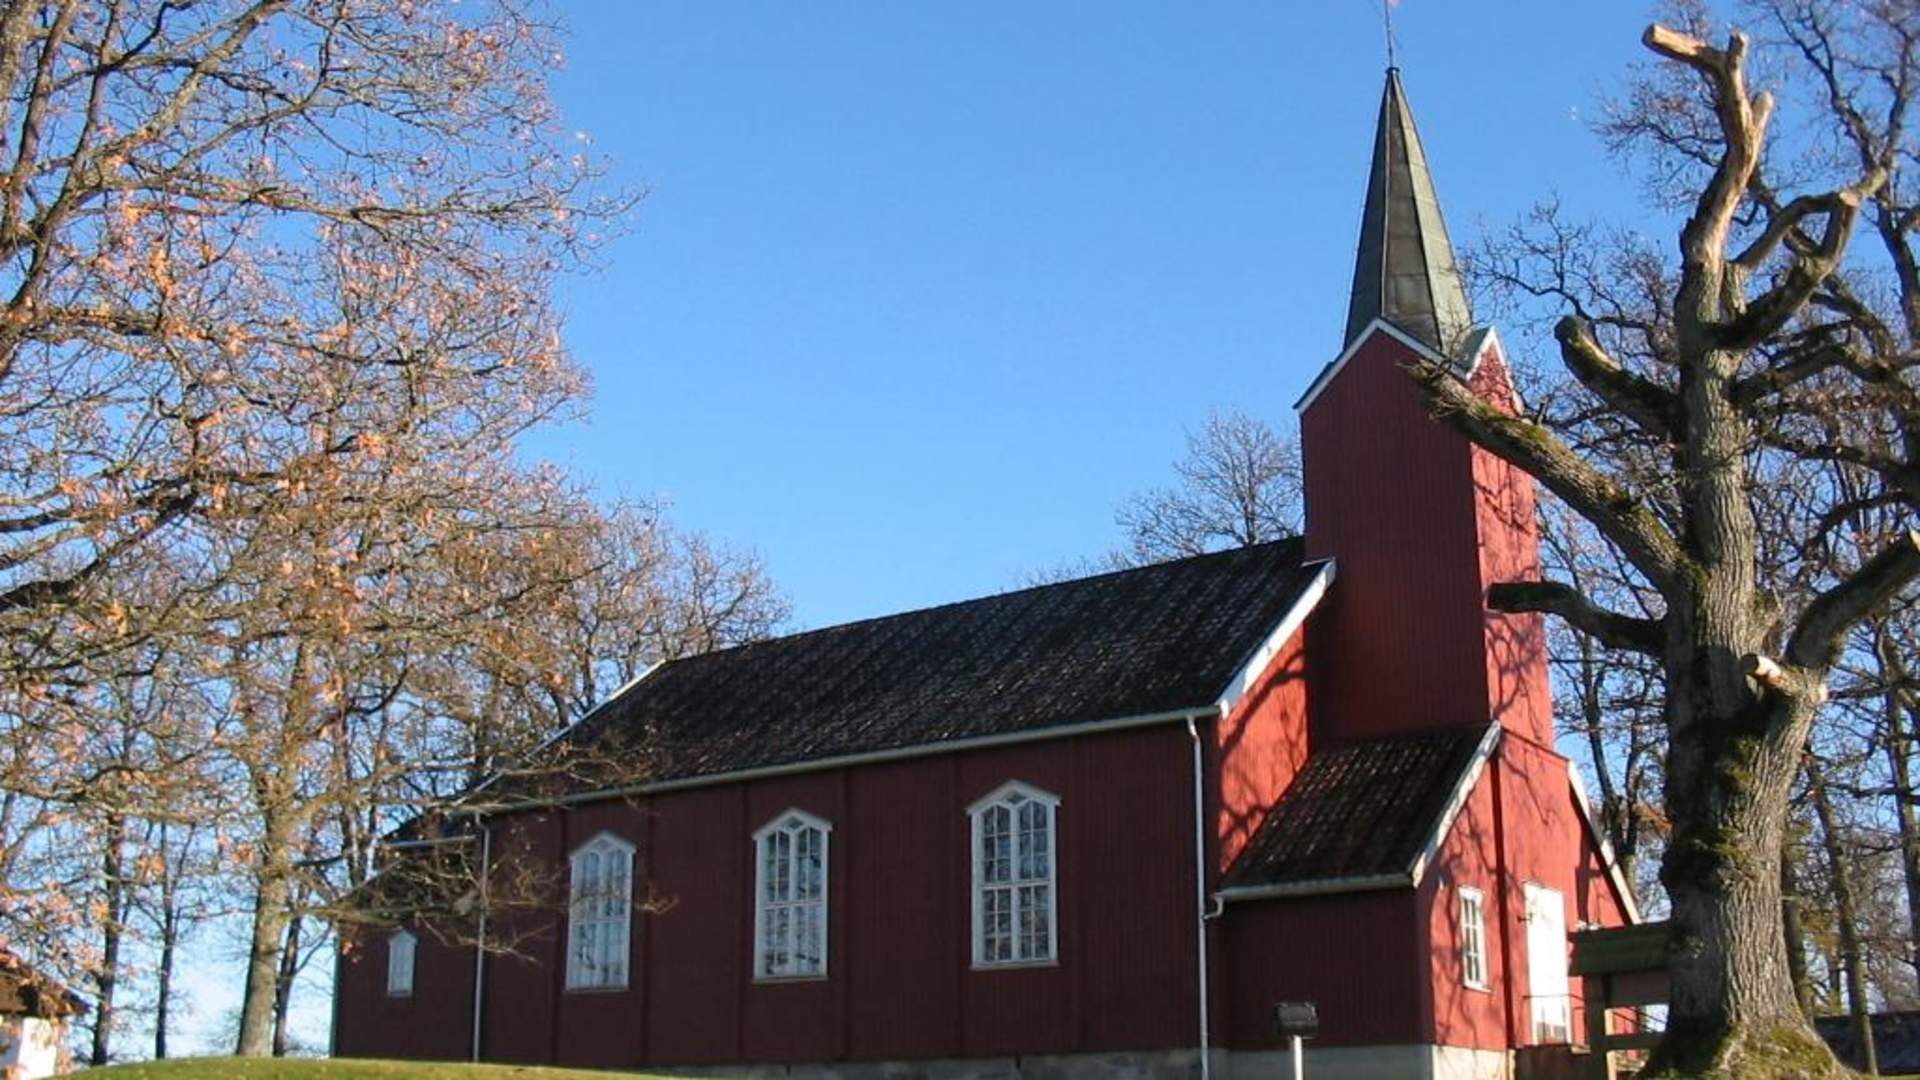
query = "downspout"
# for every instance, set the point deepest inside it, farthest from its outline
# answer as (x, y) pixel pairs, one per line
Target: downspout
(1200, 897)
(480, 934)
(1502, 877)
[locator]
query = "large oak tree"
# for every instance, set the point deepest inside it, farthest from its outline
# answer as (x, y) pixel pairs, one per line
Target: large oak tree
(1755, 358)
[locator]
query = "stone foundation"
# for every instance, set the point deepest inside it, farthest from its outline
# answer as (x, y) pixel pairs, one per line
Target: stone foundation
(1410, 1062)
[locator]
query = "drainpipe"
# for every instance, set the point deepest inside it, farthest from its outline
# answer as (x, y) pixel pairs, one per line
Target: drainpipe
(480, 934)
(1200, 896)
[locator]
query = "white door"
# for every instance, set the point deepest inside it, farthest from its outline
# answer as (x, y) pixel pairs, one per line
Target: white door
(1547, 991)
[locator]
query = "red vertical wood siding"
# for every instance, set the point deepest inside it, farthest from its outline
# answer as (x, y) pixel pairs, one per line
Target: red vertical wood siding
(520, 985)
(697, 972)
(1509, 534)
(1396, 644)
(1352, 954)
(436, 1020)
(1258, 749)
(1521, 825)
(1469, 856)
(900, 982)
(1421, 523)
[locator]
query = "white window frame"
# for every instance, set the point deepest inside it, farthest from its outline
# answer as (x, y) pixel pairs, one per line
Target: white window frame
(792, 823)
(614, 915)
(1013, 796)
(401, 949)
(1473, 938)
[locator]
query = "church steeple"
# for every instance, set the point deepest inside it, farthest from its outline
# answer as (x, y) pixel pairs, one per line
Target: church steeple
(1405, 271)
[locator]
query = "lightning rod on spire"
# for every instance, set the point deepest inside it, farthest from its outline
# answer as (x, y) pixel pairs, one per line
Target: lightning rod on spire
(1386, 19)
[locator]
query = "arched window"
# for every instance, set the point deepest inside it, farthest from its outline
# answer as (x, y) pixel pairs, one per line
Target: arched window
(1015, 882)
(790, 890)
(400, 964)
(599, 910)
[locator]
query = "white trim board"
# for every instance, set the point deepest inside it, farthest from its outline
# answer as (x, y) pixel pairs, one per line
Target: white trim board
(1290, 624)
(1378, 325)
(1599, 834)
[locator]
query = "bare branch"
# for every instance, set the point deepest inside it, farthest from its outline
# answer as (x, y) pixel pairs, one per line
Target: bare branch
(1649, 404)
(1615, 511)
(1610, 628)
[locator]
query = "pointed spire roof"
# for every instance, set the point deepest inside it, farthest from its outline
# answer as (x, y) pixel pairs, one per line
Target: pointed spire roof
(1405, 272)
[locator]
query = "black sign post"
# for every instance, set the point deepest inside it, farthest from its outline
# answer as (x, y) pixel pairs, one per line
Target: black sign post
(1297, 1021)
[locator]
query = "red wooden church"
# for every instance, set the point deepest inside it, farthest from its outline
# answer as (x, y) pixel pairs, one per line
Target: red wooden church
(1099, 826)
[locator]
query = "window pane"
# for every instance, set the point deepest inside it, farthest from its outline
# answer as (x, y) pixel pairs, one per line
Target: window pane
(810, 845)
(807, 947)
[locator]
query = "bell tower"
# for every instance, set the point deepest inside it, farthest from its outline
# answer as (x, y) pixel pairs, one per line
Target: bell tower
(1419, 520)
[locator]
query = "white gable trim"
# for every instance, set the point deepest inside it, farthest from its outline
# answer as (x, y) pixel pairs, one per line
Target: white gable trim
(1378, 325)
(604, 840)
(1290, 623)
(778, 821)
(1620, 882)
(567, 729)
(1457, 801)
(1410, 878)
(1011, 788)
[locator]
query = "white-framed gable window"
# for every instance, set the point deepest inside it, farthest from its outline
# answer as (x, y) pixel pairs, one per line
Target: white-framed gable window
(400, 945)
(1015, 876)
(1473, 937)
(599, 914)
(790, 890)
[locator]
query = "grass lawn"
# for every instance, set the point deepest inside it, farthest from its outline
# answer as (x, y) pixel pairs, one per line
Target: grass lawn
(311, 1069)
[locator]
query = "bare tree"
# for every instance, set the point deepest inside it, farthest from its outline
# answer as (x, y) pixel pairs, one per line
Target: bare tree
(1760, 356)
(1239, 484)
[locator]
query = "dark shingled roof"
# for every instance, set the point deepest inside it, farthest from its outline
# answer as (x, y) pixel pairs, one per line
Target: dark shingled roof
(1137, 642)
(1358, 809)
(1896, 1041)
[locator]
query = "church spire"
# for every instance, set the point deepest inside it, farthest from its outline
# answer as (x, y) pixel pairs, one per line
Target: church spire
(1405, 271)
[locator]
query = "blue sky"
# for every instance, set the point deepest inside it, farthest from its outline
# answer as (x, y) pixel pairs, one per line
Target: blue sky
(921, 291)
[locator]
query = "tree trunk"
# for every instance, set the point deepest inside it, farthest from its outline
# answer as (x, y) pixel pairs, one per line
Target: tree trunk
(114, 887)
(283, 987)
(172, 865)
(1852, 961)
(1795, 934)
(1899, 746)
(163, 988)
(1730, 771)
(263, 961)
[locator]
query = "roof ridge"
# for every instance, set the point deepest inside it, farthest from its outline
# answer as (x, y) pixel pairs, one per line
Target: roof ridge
(1241, 550)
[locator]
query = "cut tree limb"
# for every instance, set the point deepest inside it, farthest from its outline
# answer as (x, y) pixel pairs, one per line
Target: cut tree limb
(1771, 310)
(1823, 626)
(1609, 628)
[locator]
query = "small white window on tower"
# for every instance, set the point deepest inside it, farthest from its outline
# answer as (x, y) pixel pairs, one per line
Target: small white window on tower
(599, 913)
(790, 909)
(1015, 881)
(1473, 938)
(400, 964)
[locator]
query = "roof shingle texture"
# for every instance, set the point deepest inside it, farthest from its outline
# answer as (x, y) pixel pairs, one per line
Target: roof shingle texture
(1358, 809)
(1136, 642)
